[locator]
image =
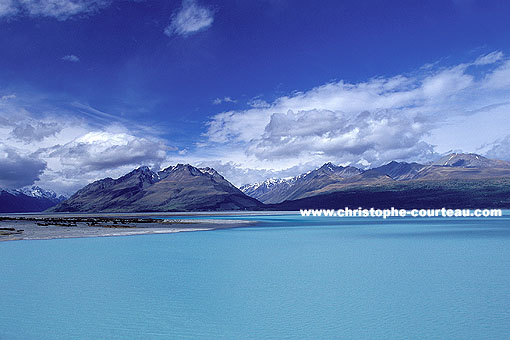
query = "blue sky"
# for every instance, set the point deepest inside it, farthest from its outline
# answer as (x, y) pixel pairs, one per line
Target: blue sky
(93, 88)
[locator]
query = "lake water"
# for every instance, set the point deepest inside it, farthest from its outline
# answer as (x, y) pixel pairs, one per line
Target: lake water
(287, 278)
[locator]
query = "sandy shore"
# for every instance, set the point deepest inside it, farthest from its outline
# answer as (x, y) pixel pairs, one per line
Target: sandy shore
(44, 227)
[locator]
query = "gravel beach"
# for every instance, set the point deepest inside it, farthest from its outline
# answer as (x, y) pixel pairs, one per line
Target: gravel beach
(44, 226)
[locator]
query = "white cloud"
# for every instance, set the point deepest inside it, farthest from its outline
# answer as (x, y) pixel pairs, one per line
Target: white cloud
(65, 150)
(500, 149)
(218, 101)
(18, 168)
(406, 117)
(59, 9)
(189, 19)
(238, 174)
(7, 8)
(343, 136)
(100, 150)
(446, 83)
(7, 97)
(410, 117)
(259, 103)
(71, 58)
(499, 79)
(490, 58)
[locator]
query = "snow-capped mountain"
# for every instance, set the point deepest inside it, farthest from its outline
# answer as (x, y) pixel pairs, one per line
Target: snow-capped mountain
(38, 192)
(331, 178)
(469, 160)
(28, 199)
(278, 190)
(267, 185)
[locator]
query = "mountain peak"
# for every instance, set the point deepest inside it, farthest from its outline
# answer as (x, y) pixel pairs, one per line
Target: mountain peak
(210, 171)
(398, 170)
(291, 188)
(142, 176)
(37, 191)
(466, 160)
(189, 169)
(144, 169)
(329, 166)
(182, 187)
(337, 170)
(178, 166)
(28, 199)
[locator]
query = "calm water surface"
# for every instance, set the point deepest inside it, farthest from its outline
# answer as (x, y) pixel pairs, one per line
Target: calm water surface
(287, 278)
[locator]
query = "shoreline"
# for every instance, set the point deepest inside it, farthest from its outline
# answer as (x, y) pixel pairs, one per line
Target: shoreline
(17, 227)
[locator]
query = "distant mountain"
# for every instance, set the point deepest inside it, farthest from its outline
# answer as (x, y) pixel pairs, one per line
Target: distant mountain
(451, 194)
(177, 188)
(469, 160)
(29, 199)
(399, 170)
(38, 192)
(279, 190)
(468, 166)
(271, 186)
(331, 178)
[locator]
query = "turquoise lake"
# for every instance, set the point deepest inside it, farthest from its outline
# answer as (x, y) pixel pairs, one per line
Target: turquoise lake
(288, 277)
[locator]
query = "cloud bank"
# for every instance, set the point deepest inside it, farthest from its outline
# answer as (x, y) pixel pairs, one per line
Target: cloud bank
(405, 117)
(408, 117)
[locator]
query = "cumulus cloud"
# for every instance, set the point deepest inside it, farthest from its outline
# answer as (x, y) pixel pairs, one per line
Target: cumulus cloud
(59, 9)
(71, 58)
(500, 149)
(190, 18)
(101, 150)
(67, 150)
(96, 154)
(341, 135)
(403, 117)
(18, 169)
(410, 117)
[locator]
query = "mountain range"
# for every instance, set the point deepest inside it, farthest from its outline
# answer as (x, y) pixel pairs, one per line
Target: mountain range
(331, 178)
(177, 188)
(28, 199)
(456, 180)
(279, 190)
